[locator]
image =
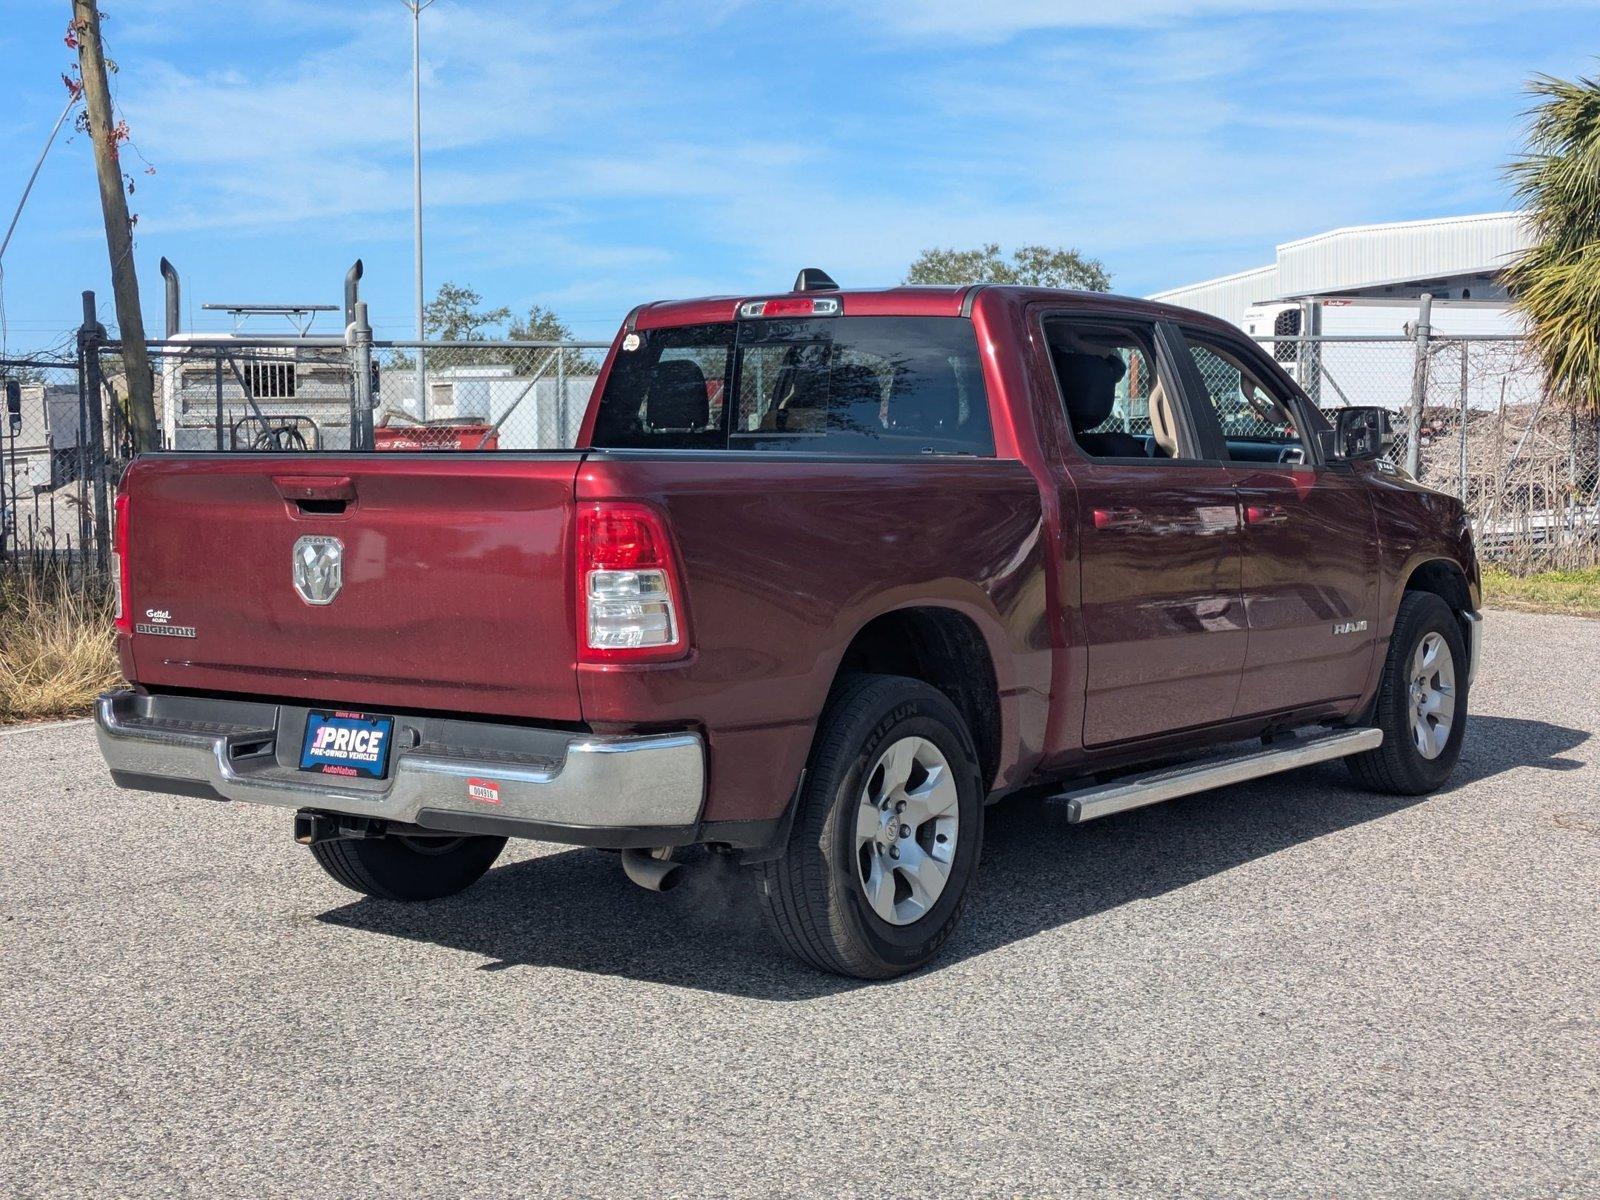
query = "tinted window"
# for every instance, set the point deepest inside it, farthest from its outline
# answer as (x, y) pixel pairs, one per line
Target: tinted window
(839, 385)
(1116, 402)
(1257, 420)
(668, 393)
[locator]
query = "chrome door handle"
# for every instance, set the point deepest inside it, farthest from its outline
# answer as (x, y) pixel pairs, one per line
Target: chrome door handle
(1118, 518)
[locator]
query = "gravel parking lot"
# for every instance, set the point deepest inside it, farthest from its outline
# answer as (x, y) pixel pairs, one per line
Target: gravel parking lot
(1289, 988)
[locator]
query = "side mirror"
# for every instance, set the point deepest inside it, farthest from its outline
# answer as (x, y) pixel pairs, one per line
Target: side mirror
(1360, 433)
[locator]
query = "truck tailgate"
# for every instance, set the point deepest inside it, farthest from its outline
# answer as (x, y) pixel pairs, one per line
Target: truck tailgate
(454, 579)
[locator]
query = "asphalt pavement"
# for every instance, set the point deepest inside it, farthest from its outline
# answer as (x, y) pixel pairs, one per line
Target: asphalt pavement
(1290, 988)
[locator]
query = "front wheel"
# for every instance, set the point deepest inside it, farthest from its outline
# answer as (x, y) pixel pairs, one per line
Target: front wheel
(887, 835)
(1422, 701)
(408, 868)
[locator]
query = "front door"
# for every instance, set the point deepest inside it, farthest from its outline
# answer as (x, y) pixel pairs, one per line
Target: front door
(1309, 541)
(1163, 620)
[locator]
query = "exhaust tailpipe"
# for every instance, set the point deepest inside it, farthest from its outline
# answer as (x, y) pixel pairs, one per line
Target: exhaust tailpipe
(169, 273)
(652, 869)
(352, 291)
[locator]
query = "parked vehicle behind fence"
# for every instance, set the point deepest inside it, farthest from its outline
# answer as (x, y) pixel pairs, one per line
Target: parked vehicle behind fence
(829, 571)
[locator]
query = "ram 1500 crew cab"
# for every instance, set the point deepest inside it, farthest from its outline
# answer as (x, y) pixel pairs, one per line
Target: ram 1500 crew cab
(828, 571)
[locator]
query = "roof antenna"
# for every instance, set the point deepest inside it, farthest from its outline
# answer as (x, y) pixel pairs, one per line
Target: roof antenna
(814, 279)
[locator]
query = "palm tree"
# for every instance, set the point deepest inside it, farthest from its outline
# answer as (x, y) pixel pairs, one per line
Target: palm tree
(1556, 283)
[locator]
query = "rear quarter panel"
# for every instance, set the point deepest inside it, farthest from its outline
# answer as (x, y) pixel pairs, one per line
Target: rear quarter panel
(785, 559)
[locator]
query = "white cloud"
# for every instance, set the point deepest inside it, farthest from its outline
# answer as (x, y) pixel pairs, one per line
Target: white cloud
(611, 151)
(328, 134)
(998, 20)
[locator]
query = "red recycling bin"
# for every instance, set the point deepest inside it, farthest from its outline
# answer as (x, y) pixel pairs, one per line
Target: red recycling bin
(436, 437)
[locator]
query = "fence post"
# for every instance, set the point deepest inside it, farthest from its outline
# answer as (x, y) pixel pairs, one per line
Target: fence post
(422, 384)
(91, 334)
(1461, 491)
(1569, 504)
(358, 337)
(1419, 387)
(561, 401)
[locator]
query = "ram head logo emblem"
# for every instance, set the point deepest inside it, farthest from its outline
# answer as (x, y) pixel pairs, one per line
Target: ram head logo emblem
(318, 568)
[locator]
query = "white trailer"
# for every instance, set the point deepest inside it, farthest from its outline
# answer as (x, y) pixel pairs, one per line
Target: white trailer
(1361, 351)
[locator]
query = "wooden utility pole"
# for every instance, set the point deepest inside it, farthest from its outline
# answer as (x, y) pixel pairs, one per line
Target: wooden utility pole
(119, 229)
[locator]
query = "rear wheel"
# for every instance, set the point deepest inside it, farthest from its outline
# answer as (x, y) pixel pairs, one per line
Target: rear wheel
(1422, 701)
(887, 835)
(408, 868)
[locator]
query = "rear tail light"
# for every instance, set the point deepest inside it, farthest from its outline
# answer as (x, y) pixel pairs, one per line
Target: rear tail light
(805, 306)
(123, 611)
(630, 606)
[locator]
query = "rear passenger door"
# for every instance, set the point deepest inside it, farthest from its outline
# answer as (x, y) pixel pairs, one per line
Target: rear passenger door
(1163, 620)
(1309, 542)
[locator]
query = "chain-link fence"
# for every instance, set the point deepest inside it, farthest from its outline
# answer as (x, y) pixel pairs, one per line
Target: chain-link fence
(1471, 414)
(230, 394)
(1526, 468)
(302, 394)
(493, 395)
(66, 434)
(52, 464)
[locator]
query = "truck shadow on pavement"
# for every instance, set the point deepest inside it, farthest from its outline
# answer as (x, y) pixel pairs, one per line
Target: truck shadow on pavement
(573, 909)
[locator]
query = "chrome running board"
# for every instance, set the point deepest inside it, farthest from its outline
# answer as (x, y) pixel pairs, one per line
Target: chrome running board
(1168, 783)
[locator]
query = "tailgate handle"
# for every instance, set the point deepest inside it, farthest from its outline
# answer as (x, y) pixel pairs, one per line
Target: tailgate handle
(320, 495)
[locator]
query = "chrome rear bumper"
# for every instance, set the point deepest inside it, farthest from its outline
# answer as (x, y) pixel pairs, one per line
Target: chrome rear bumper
(549, 783)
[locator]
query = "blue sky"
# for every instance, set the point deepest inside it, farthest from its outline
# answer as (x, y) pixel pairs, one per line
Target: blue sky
(591, 155)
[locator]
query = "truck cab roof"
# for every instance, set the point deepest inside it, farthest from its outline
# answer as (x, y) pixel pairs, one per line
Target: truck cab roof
(902, 300)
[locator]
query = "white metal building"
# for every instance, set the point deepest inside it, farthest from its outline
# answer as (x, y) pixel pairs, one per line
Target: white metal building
(1365, 282)
(1458, 260)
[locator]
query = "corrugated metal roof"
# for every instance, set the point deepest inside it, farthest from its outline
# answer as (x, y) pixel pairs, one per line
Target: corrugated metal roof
(1226, 297)
(1364, 256)
(1372, 255)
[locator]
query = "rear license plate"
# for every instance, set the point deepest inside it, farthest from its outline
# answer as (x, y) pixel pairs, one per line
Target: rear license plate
(346, 743)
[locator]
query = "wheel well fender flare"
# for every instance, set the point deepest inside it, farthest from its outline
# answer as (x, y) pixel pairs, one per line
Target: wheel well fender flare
(955, 643)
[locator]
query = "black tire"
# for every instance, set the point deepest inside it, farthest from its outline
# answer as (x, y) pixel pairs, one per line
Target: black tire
(813, 895)
(399, 868)
(1399, 766)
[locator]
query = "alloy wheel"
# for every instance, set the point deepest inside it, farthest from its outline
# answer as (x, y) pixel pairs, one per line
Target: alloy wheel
(907, 823)
(1431, 696)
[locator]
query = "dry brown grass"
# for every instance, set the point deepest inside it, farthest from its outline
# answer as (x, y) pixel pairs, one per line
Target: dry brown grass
(57, 650)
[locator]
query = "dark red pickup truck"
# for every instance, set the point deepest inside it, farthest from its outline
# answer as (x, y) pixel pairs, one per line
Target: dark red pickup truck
(829, 571)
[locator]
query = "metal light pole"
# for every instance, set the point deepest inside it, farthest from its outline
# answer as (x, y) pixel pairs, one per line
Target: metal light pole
(416, 7)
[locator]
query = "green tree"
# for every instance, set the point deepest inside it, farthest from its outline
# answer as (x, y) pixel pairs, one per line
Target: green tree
(543, 325)
(454, 315)
(1556, 283)
(1036, 266)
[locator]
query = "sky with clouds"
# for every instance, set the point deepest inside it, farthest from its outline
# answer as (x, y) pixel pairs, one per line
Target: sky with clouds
(590, 155)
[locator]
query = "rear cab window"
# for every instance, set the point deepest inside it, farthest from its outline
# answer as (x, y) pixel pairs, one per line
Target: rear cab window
(880, 386)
